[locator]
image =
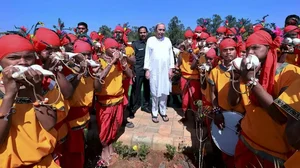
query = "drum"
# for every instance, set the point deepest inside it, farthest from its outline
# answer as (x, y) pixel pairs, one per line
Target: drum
(227, 138)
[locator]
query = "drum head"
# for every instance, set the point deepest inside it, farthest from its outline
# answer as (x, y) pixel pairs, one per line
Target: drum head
(227, 138)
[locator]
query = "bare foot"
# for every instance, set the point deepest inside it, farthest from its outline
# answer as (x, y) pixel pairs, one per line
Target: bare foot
(105, 155)
(111, 150)
(114, 158)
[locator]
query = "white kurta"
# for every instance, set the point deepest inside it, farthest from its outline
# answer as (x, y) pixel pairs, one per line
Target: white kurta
(159, 60)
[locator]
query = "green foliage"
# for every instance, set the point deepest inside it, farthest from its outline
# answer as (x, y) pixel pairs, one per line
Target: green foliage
(134, 34)
(171, 151)
(126, 152)
(143, 151)
(106, 31)
(175, 28)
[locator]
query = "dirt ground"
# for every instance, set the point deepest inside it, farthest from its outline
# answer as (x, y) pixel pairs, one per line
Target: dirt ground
(156, 159)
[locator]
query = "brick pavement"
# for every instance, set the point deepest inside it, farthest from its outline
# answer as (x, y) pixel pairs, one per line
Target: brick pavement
(157, 135)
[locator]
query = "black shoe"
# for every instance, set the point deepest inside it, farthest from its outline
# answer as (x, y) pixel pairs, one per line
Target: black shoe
(129, 125)
(131, 116)
(134, 109)
(146, 109)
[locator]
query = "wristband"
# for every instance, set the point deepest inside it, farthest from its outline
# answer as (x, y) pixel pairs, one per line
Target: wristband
(38, 103)
(11, 111)
(252, 82)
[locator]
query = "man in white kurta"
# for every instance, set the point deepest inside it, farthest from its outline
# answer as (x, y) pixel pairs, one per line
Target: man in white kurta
(159, 64)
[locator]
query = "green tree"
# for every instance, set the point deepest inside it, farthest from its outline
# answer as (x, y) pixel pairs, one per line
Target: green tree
(106, 31)
(151, 31)
(271, 26)
(216, 22)
(231, 21)
(133, 35)
(175, 30)
(189, 28)
(205, 22)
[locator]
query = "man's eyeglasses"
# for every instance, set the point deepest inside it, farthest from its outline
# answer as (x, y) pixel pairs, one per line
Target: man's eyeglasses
(81, 28)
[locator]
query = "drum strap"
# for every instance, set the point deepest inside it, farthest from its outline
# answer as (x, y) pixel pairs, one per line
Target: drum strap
(243, 136)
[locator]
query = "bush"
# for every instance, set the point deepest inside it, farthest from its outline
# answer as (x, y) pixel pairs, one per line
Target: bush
(171, 151)
(126, 152)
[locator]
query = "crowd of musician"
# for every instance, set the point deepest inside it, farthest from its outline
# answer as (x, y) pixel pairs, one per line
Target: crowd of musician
(52, 82)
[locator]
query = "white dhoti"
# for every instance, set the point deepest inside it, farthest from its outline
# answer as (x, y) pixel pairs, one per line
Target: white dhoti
(159, 60)
(159, 103)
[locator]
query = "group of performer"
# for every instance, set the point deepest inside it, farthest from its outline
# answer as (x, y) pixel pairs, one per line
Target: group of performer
(46, 107)
(264, 93)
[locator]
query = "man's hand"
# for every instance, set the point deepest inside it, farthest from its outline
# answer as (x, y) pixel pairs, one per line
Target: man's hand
(147, 74)
(219, 121)
(170, 73)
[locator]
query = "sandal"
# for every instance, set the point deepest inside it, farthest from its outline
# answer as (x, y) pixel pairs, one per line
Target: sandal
(165, 118)
(155, 119)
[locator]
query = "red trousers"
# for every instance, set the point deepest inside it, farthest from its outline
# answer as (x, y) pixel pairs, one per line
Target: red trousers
(246, 158)
(109, 119)
(74, 154)
(190, 93)
(228, 160)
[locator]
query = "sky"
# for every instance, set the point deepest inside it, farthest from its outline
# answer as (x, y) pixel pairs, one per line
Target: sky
(137, 12)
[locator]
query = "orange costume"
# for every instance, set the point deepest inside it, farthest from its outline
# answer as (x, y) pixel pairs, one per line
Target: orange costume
(288, 102)
(110, 100)
(189, 82)
(41, 39)
(79, 116)
(28, 144)
(197, 33)
(262, 140)
(220, 79)
(128, 52)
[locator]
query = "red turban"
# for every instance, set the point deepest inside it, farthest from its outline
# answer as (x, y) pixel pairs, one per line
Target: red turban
(211, 53)
(211, 39)
(231, 31)
(47, 36)
(66, 40)
(119, 28)
(72, 37)
(221, 29)
(204, 35)
(198, 29)
(228, 42)
(291, 28)
(243, 47)
(257, 27)
(82, 46)
(269, 67)
(188, 34)
(95, 36)
(14, 43)
(109, 42)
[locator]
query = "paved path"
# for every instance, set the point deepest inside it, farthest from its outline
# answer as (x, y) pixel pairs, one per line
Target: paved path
(157, 135)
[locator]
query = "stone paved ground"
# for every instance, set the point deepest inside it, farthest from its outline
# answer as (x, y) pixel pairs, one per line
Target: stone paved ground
(157, 135)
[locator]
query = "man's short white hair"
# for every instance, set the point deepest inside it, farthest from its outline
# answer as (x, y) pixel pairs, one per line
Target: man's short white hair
(158, 25)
